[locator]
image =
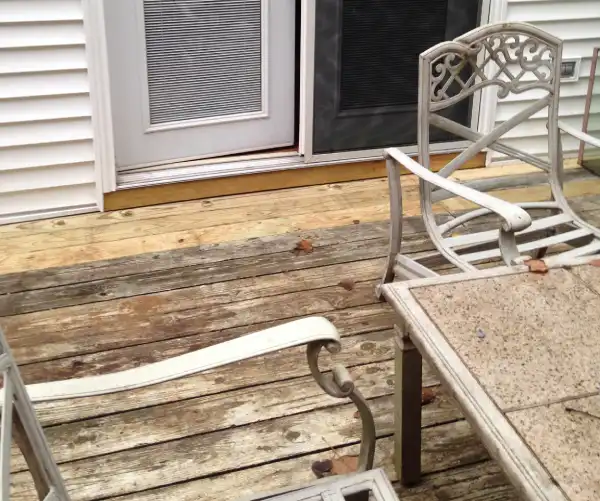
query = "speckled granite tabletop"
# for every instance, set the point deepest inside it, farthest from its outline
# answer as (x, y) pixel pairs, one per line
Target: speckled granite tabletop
(533, 343)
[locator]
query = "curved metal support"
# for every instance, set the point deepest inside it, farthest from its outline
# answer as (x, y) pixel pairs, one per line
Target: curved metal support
(288, 335)
(338, 383)
(395, 194)
(508, 247)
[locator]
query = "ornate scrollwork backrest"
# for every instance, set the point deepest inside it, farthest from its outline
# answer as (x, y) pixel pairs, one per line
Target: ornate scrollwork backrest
(515, 57)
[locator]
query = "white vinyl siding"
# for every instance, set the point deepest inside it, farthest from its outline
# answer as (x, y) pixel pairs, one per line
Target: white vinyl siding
(577, 22)
(46, 136)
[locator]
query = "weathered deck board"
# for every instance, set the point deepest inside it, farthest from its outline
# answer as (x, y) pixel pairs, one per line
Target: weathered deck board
(257, 425)
(446, 446)
(479, 481)
(163, 423)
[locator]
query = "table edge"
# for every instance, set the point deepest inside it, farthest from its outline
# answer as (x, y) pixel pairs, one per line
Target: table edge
(498, 271)
(502, 441)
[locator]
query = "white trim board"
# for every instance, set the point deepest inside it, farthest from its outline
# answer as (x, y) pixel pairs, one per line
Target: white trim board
(97, 60)
(22, 217)
(497, 11)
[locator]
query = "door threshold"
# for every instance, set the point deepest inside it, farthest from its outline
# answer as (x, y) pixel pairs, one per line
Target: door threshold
(208, 169)
(222, 167)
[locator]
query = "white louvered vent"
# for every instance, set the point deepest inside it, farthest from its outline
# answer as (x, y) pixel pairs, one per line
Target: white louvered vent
(203, 57)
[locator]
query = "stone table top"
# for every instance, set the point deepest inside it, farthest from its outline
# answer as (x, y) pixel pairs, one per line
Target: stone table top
(532, 343)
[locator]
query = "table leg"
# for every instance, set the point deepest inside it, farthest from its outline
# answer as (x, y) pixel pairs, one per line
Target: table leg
(407, 409)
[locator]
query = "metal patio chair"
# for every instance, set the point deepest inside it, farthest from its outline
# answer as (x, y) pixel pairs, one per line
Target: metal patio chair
(512, 58)
(19, 420)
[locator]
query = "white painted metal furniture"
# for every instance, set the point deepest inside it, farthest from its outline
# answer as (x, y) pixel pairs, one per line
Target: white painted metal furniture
(372, 485)
(19, 420)
(519, 352)
(512, 58)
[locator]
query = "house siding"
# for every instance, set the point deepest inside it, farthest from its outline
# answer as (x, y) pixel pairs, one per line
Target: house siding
(577, 23)
(46, 136)
(48, 165)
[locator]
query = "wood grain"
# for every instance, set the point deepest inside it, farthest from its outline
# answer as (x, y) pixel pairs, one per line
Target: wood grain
(203, 455)
(257, 425)
(143, 319)
(82, 239)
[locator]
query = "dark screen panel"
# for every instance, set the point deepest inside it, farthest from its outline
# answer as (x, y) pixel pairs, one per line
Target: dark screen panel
(380, 50)
(366, 69)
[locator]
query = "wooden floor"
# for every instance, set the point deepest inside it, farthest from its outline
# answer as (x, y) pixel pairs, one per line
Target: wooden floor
(139, 286)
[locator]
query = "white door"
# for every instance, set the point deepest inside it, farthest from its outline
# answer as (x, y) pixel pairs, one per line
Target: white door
(199, 78)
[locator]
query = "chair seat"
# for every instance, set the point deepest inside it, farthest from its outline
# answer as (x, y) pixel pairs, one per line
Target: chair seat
(543, 233)
(563, 235)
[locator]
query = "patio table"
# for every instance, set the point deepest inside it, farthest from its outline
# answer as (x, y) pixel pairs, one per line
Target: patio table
(520, 353)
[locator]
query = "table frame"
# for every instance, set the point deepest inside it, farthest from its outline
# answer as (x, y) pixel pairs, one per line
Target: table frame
(416, 336)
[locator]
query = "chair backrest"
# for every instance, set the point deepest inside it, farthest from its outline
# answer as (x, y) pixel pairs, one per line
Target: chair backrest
(512, 57)
(19, 422)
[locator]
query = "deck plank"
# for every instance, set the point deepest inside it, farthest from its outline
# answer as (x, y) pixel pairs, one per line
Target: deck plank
(204, 415)
(446, 446)
(150, 318)
(253, 426)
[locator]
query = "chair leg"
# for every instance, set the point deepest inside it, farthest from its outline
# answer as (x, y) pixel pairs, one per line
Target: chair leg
(407, 409)
(540, 253)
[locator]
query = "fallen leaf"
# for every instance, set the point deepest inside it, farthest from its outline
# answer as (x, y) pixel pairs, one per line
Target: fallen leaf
(427, 396)
(347, 283)
(304, 246)
(595, 262)
(322, 468)
(536, 266)
(344, 464)
(356, 221)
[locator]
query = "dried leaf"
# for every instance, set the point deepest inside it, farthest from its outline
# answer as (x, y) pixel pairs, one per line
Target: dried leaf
(595, 262)
(344, 465)
(537, 266)
(304, 246)
(427, 396)
(356, 221)
(322, 468)
(347, 283)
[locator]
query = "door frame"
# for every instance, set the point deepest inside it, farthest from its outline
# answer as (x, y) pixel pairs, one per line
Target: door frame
(491, 11)
(104, 152)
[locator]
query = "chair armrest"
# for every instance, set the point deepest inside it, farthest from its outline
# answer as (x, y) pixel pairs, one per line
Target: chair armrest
(579, 134)
(296, 333)
(515, 218)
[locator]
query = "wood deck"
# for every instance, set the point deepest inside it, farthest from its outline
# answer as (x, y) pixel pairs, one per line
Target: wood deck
(254, 426)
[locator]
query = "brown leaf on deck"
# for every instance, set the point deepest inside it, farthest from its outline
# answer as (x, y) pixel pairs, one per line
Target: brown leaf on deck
(427, 396)
(322, 468)
(344, 464)
(536, 266)
(347, 283)
(304, 246)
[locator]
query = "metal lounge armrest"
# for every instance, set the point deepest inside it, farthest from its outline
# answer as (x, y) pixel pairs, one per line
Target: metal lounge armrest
(16, 398)
(515, 218)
